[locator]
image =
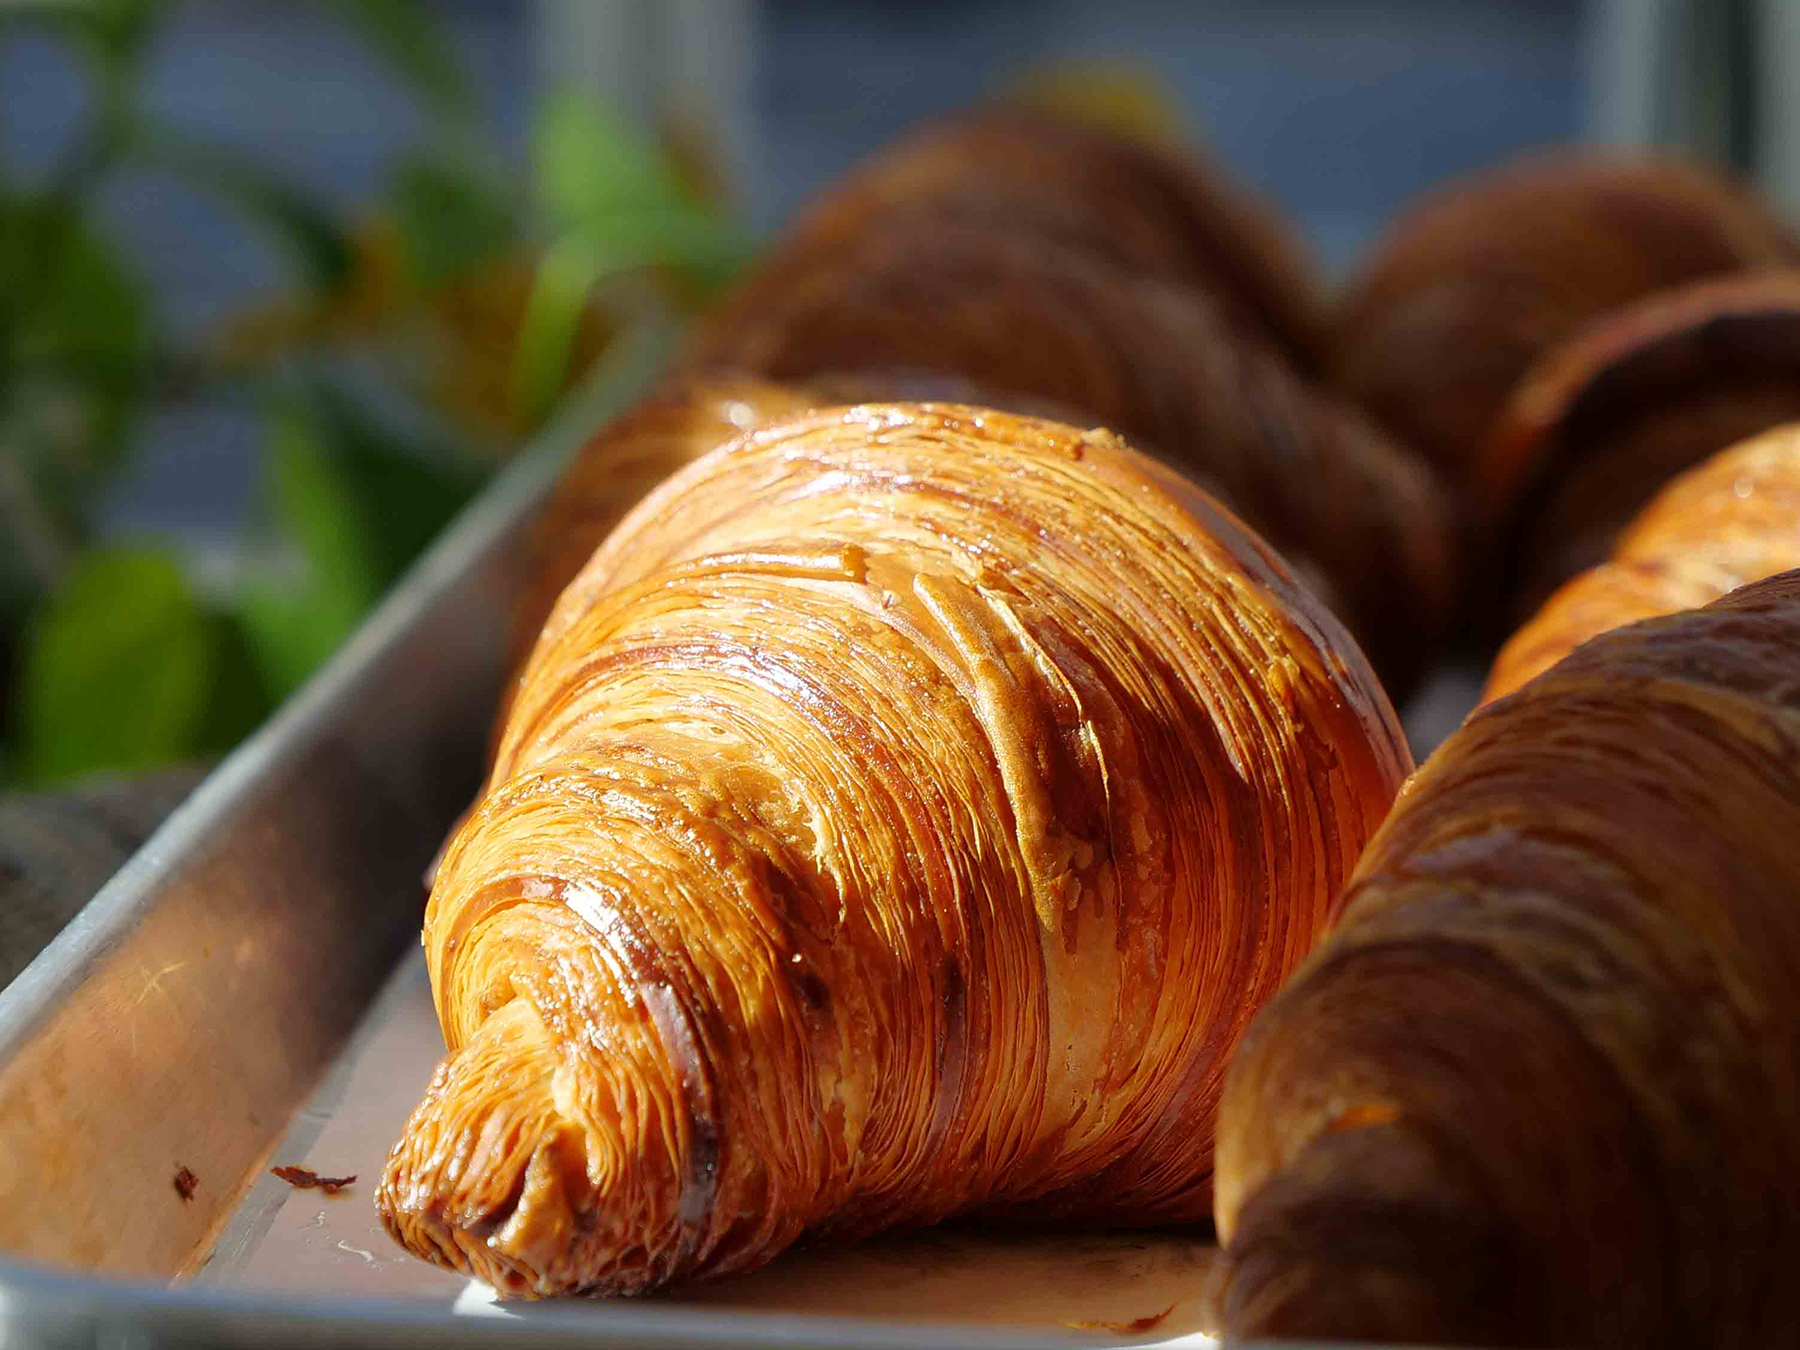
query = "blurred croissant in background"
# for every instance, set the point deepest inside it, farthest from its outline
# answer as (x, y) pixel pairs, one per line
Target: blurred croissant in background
(1603, 421)
(1144, 208)
(902, 817)
(1025, 260)
(1483, 276)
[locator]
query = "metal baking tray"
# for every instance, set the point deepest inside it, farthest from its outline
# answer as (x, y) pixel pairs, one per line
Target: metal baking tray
(248, 991)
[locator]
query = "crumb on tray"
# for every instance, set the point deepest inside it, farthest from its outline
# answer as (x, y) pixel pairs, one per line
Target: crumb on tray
(185, 1182)
(303, 1179)
(1138, 1324)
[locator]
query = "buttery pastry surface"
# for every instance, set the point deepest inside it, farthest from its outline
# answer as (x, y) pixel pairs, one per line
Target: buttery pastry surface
(903, 816)
(627, 457)
(1733, 520)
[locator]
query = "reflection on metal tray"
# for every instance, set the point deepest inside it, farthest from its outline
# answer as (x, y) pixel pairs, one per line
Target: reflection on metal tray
(306, 1243)
(219, 1007)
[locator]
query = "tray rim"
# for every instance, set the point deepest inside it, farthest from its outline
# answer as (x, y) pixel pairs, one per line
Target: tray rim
(32, 1296)
(109, 914)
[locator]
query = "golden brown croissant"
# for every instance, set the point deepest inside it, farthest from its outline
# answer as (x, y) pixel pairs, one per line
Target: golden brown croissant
(1139, 207)
(1733, 520)
(909, 808)
(1605, 419)
(1483, 276)
(1538, 1087)
(1025, 317)
(678, 422)
(627, 457)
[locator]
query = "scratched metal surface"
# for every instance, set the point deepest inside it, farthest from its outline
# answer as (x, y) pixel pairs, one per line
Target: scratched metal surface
(238, 996)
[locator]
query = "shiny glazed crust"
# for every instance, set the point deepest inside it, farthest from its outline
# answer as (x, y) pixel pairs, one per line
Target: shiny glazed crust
(1733, 520)
(621, 463)
(1538, 1086)
(910, 809)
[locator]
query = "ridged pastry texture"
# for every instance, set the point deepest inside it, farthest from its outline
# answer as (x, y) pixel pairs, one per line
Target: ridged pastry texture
(632, 453)
(912, 808)
(1733, 520)
(1485, 275)
(1023, 317)
(1538, 1087)
(684, 417)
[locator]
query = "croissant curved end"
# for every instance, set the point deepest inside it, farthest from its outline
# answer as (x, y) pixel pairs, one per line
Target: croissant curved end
(509, 1172)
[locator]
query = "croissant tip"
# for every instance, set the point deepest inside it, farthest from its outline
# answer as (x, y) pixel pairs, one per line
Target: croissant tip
(419, 1220)
(519, 1248)
(492, 1179)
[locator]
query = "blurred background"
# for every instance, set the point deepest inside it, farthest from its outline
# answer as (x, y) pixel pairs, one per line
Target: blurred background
(282, 284)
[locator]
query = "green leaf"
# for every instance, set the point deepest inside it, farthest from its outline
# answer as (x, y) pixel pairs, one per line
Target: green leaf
(358, 504)
(113, 34)
(608, 190)
(619, 207)
(293, 627)
(66, 297)
(290, 631)
(241, 697)
(451, 217)
(316, 501)
(588, 162)
(560, 290)
(304, 229)
(406, 485)
(116, 669)
(122, 28)
(570, 270)
(403, 35)
(75, 361)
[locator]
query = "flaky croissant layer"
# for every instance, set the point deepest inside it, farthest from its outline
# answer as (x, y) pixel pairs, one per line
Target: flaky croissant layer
(902, 817)
(1733, 520)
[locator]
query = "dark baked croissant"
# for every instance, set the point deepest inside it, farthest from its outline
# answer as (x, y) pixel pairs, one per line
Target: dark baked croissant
(1733, 520)
(907, 809)
(1143, 208)
(1023, 316)
(1485, 275)
(1538, 1087)
(1605, 419)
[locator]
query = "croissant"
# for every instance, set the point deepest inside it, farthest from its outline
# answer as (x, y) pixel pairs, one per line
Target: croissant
(903, 824)
(1140, 207)
(1733, 520)
(676, 423)
(1605, 419)
(670, 428)
(1483, 276)
(1027, 318)
(1538, 1087)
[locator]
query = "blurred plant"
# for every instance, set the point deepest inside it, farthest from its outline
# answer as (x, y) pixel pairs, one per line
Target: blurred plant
(415, 349)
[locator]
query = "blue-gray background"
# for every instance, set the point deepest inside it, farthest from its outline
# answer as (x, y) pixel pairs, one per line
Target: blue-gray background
(1340, 110)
